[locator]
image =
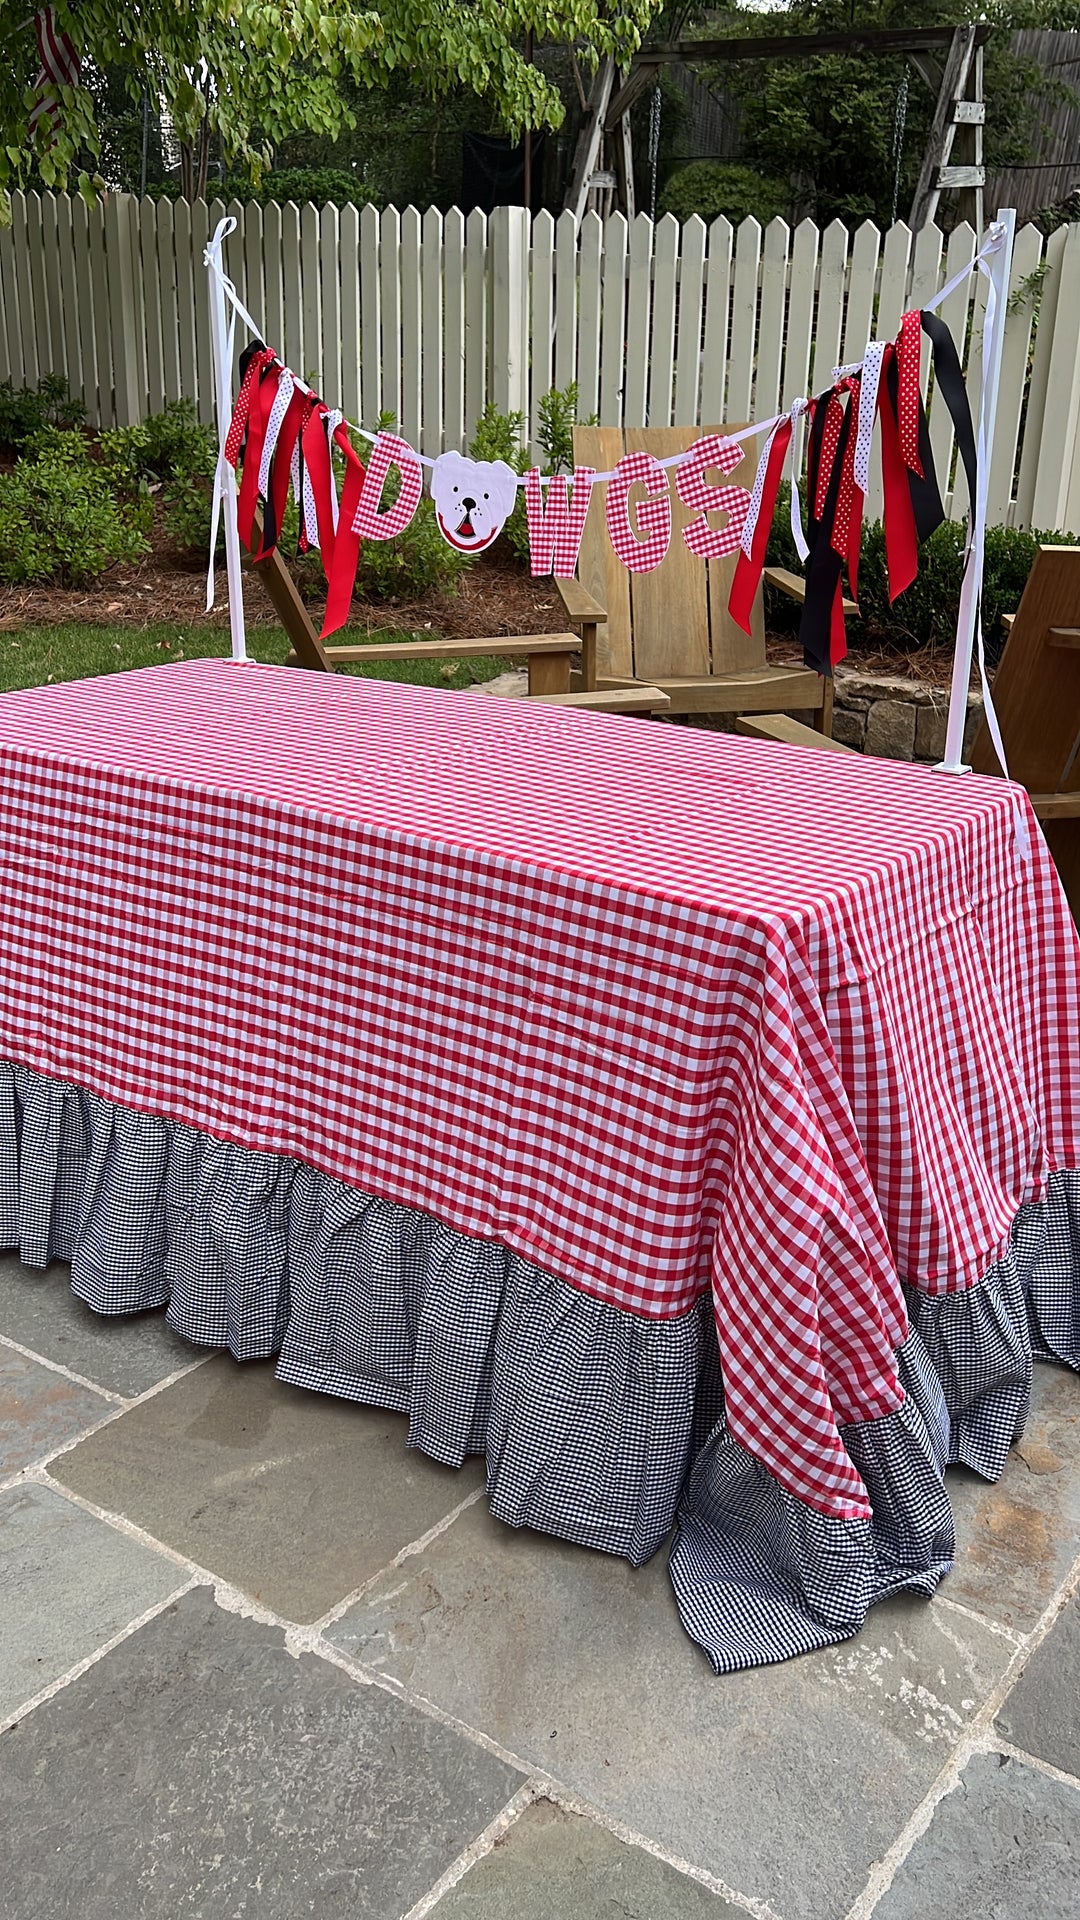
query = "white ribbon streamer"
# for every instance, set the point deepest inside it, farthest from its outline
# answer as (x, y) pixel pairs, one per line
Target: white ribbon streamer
(799, 409)
(223, 335)
(868, 399)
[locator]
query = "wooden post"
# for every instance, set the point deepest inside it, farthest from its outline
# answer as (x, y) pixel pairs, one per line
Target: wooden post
(587, 153)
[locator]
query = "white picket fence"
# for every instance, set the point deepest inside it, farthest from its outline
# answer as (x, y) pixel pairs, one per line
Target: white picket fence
(428, 317)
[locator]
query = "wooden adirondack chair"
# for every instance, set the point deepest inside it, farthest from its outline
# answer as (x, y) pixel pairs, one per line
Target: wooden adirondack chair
(548, 655)
(671, 628)
(1037, 701)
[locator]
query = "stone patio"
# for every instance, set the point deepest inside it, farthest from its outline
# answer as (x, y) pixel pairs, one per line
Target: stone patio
(257, 1659)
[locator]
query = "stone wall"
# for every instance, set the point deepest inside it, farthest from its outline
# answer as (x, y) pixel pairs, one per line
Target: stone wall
(894, 718)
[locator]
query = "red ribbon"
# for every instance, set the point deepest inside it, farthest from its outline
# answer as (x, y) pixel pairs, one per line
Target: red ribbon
(749, 566)
(898, 515)
(259, 411)
(341, 572)
(281, 471)
(234, 439)
(908, 354)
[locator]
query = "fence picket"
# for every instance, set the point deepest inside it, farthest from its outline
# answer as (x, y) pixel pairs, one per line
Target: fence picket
(390, 312)
(411, 338)
(431, 324)
(254, 258)
(273, 307)
(349, 243)
(862, 289)
(454, 329)
(832, 291)
(185, 298)
(370, 318)
(310, 367)
(170, 325)
(151, 281)
(200, 234)
(541, 314)
(476, 320)
(691, 305)
(744, 313)
(666, 237)
(10, 344)
(292, 345)
(331, 370)
(1027, 253)
(509, 267)
(1059, 434)
(566, 268)
(800, 327)
(50, 260)
(774, 275)
(36, 248)
(67, 294)
(28, 355)
(638, 307)
(613, 327)
(717, 302)
(588, 369)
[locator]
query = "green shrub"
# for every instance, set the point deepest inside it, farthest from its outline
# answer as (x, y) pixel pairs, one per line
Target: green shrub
(710, 188)
(26, 411)
(322, 186)
(164, 447)
(413, 564)
(60, 527)
(173, 454)
(925, 615)
(498, 436)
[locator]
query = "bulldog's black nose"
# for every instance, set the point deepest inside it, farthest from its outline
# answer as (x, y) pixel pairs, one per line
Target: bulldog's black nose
(468, 503)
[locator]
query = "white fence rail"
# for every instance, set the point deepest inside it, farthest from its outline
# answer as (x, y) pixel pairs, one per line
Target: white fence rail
(428, 317)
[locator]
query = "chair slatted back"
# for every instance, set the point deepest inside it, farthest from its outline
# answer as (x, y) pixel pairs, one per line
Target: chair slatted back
(1037, 684)
(672, 622)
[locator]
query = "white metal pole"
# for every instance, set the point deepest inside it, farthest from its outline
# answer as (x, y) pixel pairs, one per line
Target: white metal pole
(223, 384)
(1000, 266)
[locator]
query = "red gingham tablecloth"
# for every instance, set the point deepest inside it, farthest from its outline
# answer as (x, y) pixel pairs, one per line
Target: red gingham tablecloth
(657, 1008)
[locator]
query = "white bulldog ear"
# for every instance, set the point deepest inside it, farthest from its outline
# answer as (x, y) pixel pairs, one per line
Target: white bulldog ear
(505, 487)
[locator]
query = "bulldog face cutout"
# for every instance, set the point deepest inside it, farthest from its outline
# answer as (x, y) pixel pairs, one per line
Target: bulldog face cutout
(472, 499)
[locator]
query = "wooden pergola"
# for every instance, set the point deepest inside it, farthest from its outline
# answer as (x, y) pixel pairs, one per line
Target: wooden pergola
(948, 59)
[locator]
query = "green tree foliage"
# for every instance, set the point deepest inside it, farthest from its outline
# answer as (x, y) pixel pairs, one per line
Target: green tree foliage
(251, 72)
(710, 188)
(829, 124)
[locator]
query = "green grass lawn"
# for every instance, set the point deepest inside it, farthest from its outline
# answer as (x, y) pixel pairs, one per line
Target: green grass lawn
(35, 655)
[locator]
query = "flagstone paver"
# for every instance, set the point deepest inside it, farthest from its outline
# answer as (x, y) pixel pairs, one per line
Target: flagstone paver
(126, 1353)
(1004, 1845)
(787, 1782)
(1042, 1713)
(557, 1866)
(69, 1583)
(1016, 1540)
(198, 1768)
(295, 1497)
(40, 1410)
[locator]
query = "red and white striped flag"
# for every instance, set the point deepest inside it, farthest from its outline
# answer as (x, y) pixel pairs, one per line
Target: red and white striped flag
(59, 67)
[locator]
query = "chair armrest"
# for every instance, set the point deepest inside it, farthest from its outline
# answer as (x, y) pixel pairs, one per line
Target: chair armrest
(579, 604)
(795, 586)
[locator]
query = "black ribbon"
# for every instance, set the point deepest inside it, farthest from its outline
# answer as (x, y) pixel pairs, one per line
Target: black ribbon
(948, 376)
(824, 566)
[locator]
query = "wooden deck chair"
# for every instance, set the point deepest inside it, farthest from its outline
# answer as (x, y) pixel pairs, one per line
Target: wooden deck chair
(671, 628)
(549, 656)
(1037, 701)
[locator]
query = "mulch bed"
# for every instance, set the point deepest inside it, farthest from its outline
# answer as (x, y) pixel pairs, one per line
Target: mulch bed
(496, 596)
